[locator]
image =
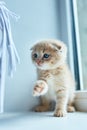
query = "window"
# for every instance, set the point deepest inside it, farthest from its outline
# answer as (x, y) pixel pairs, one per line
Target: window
(82, 22)
(73, 29)
(69, 34)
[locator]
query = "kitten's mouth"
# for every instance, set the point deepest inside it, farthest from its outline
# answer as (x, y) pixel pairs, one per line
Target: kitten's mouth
(39, 64)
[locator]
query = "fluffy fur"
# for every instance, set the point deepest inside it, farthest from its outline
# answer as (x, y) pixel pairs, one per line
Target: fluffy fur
(55, 81)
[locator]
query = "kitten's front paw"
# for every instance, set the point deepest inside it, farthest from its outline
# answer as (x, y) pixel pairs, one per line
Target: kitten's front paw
(60, 113)
(40, 88)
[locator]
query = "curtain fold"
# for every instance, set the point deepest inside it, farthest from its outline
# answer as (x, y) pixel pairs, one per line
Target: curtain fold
(7, 48)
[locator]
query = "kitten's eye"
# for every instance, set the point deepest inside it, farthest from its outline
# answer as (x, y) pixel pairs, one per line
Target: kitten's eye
(46, 55)
(35, 55)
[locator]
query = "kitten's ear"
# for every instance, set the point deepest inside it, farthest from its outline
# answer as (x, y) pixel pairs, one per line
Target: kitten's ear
(57, 47)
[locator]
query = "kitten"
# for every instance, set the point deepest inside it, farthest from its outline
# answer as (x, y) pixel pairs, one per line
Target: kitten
(55, 81)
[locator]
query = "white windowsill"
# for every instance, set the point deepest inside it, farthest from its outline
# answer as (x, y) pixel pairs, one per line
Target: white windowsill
(46, 121)
(43, 121)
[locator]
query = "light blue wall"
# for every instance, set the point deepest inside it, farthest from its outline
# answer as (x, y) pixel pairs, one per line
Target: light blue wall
(38, 20)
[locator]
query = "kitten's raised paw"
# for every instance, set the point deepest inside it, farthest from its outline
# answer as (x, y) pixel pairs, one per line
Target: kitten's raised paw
(40, 88)
(60, 113)
(42, 108)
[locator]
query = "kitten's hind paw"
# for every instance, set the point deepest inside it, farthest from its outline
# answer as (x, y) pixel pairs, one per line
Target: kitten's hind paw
(71, 109)
(40, 88)
(42, 108)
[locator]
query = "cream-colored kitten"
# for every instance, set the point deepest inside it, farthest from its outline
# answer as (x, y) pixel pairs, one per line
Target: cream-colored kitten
(55, 81)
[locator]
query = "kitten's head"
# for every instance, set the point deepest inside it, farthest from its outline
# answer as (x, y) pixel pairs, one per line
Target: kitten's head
(49, 54)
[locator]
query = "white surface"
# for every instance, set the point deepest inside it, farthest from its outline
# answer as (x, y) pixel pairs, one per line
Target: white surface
(81, 94)
(43, 121)
(81, 101)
